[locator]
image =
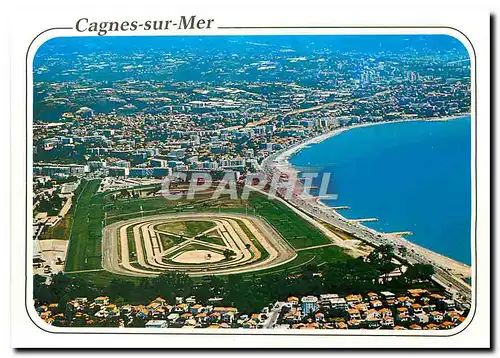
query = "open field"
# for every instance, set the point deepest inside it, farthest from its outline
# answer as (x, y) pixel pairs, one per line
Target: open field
(188, 228)
(85, 232)
(313, 257)
(167, 241)
(213, 239)
(297, 232)
(59, 231)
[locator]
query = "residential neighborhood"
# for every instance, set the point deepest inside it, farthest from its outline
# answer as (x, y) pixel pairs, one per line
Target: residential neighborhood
(415, 309)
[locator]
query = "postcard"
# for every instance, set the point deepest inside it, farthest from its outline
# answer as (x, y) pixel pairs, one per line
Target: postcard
(203, 177)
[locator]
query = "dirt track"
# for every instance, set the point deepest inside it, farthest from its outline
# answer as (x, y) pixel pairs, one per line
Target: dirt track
(152, 258)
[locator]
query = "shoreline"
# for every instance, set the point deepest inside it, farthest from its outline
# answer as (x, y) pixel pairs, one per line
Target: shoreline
(281, 161)
(294, 149)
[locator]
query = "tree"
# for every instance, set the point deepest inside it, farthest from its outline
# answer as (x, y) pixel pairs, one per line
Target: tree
(138, 322)
(202, 292)
(381, 255)
(217, 285)
(121, 288)
(171, 284)
(60, 284)
(403, 251)
(119, 301)
(381, 258)
(422, 272)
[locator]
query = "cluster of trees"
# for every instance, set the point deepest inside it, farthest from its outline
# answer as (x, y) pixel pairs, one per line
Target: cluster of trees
(61, 154)
(124, 194)
(248, 293)
(50, 204)
(382, 260)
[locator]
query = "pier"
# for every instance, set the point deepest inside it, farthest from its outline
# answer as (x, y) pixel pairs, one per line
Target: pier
(363, 220)
(400, 233)
(331, 196)
(341, 208)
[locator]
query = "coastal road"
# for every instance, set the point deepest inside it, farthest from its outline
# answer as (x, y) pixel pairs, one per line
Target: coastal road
(414, 253)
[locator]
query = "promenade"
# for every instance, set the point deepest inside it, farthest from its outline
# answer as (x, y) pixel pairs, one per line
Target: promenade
(448, 272)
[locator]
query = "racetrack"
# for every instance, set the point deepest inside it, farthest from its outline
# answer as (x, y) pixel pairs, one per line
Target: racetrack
(232, 243)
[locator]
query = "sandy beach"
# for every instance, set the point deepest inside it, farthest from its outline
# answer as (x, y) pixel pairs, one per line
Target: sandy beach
(282, 158)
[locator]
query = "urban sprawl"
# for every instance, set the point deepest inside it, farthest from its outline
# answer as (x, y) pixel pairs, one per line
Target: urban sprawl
(110, 124)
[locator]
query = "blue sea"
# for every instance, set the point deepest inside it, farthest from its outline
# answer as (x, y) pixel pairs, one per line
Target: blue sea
(412, 176)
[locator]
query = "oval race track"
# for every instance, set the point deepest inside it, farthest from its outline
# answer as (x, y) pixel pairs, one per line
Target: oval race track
(143, 247)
